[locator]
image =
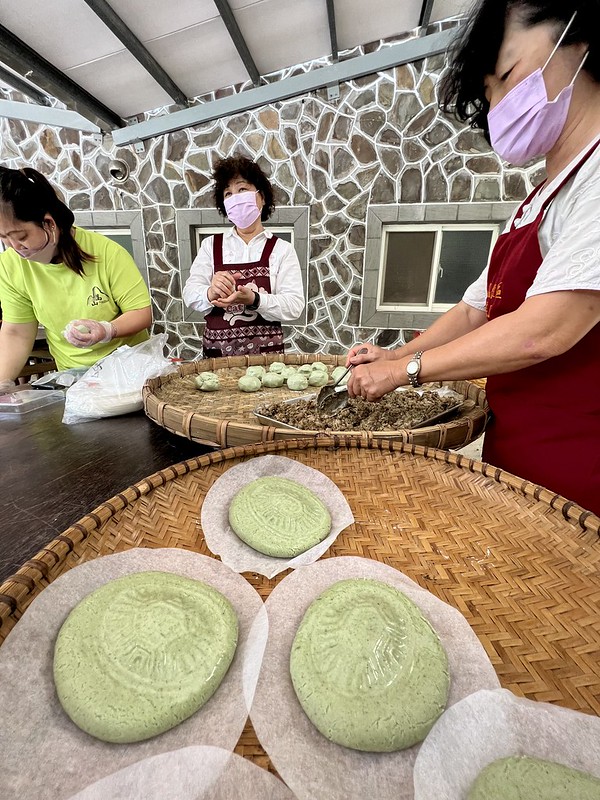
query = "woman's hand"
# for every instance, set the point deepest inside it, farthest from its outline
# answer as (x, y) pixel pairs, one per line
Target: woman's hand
(222, 286)
(88, 332)
(368, 353)
(7, 386)
(374, 379)
(243, 295)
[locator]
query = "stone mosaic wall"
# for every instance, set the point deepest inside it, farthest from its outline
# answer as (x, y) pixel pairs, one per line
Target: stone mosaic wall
(382, 142)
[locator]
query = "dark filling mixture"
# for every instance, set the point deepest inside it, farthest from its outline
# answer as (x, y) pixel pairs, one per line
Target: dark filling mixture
(395, 411)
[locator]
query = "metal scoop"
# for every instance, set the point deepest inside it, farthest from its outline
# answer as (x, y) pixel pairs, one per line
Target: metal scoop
(334, 398)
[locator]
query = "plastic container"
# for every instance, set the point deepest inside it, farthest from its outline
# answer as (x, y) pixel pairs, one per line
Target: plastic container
(22, 402)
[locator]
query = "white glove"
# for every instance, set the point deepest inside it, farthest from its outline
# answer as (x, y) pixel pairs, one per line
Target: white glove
(7, 386)
(88, 332)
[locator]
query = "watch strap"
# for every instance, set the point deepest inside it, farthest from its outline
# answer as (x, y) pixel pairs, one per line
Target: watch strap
(256, 302)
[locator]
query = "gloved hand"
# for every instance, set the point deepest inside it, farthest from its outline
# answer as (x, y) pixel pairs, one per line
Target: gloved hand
(7, 386)
(88, 332)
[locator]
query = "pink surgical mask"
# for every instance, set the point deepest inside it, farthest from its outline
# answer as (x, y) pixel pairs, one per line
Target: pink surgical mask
(525, 124)
(29, 252)
(242, 209)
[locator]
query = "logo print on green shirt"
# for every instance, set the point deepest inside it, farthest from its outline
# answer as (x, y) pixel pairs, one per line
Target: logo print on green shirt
(97, 297)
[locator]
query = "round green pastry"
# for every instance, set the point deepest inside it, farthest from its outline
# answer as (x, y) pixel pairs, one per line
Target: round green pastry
(272, 380)
(318, 378)
(249, 383)
(142, 653)
(367, 667)
(256, 371)
(279, 517)
(305, 369)
(337, 373)
(297, 382)
(522, 778)
(277, 366)
(319, 366)
(207, 382)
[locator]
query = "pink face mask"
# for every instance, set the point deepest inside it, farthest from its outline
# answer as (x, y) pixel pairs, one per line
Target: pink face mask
(28, 253)
(525, 124)
(242, 209)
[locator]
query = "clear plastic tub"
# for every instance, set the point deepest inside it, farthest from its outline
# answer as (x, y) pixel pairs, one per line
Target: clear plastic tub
(22, 402)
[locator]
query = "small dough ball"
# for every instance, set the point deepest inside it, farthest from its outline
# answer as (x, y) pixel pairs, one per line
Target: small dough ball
(249, 383)
(277, 366)
(297, 383)
(82, 328)
(305, 369)
(337, 374)
(256, 371)
(318, 378)
(288, 371)
(204, 375)
(318, 366)
(272, 380)
(210, 385)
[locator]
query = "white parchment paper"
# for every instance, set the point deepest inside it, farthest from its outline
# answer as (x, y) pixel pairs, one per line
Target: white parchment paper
(312, 766)
(43, 754)
(194, 773)
(222, 541)
(490, 725)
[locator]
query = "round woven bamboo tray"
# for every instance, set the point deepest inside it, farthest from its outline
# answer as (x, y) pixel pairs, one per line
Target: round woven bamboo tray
(227, 419)
(520, 563)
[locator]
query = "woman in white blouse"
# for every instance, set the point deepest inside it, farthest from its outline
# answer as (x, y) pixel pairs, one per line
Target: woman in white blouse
(246, 281)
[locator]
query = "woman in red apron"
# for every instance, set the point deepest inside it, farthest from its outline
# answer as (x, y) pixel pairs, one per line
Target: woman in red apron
(528, 73)
(246, 281)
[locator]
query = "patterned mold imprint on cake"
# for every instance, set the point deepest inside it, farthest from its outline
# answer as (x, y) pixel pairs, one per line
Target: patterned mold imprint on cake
(279, 517)
(143, 653)
(367, 667)
(524, 778)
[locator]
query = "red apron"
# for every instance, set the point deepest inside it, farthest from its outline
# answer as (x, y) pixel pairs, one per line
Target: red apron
(235, 330)
(546, 423)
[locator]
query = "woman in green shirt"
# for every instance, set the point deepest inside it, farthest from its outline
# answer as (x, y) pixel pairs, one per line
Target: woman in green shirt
(81, 286)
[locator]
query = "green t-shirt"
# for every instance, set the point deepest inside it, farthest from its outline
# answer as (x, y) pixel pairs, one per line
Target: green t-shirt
(54, 295)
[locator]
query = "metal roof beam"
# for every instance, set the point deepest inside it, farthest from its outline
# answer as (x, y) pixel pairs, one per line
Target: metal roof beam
(116, 25)
(425, 15)
(46, 115)
(332, 31)
(386, 58)
(238, 40)
(23, 59)
(17, 82)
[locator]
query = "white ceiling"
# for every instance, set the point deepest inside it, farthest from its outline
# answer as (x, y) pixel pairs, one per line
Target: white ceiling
(191, 43)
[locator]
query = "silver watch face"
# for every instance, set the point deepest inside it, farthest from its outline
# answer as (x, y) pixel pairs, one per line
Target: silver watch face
(412, 367)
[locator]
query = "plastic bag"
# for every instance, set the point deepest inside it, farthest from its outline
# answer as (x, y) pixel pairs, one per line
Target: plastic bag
(60, 380)
(113, 386)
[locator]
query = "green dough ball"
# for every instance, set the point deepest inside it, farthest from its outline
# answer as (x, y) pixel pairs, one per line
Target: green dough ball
(318, 378)
(297, 382)
(368, 668)
(522, 777)
(82, 328)
(142, 653)
(272, 380)
(305, 369)
(319, 366)
(288, 371)
(249, 383)
(207, 382)
(279, 517)
(277, 366)
(207, 375)
(256, 371)
(337, 374)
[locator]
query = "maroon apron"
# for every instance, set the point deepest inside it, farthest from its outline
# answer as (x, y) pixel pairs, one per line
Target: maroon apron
(235, 330)
(546, 423)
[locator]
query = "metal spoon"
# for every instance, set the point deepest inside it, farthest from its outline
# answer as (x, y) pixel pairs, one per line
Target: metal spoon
(332, 399)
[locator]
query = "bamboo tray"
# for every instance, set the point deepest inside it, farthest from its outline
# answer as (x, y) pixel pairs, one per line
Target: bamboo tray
(228, 418)
(521, 563)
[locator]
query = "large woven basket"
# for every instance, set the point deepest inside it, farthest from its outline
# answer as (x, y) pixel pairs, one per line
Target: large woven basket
(227, 419)
(520, 563)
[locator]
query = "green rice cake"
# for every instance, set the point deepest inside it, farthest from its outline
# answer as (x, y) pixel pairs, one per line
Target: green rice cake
(524, 778)
(367, 667)
(142, 653)
(279, 517)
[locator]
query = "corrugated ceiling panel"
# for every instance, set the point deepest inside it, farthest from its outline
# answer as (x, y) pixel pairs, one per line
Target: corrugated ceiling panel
(360, 22)
(150, 19)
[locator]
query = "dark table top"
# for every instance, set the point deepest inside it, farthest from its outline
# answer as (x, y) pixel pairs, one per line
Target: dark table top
(52, 474)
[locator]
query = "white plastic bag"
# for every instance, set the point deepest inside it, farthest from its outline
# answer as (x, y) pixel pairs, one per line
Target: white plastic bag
(113, 386)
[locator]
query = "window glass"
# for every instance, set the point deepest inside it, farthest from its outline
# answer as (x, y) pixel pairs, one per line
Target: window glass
(463, 257)
(407, 269)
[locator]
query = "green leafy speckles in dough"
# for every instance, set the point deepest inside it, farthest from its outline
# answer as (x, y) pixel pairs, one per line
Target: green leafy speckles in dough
(319, 366)
(207, 382)
(279, 517)
(277, 366)
(337, 374)
(368, 668)
(297, 382)
(524, 778)
(249, 383)
(142, 653)
(318, 378)
(272, 380)
(305, 369)
(256, 371)
(288, 371)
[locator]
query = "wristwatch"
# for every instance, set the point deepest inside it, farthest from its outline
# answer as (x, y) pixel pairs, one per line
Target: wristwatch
(413, 368)
(255, 304)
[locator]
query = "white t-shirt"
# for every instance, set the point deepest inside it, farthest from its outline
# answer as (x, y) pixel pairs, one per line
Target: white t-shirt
(569, 234)
(284, 303)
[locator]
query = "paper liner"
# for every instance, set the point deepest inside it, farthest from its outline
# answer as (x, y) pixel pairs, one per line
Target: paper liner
(192, 773)
(490, 725)
(311, 765)
(222, 541)
(43, 753)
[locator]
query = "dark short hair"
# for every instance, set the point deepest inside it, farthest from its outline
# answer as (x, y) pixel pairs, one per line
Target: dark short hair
(476, 51)
(27, 196)
(226, 169)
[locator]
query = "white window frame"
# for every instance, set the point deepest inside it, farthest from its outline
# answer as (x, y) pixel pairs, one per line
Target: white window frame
(435, 268)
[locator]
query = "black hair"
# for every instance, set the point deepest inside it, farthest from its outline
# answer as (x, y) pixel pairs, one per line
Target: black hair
(476, 50)
(27, 196)
(226, 169)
